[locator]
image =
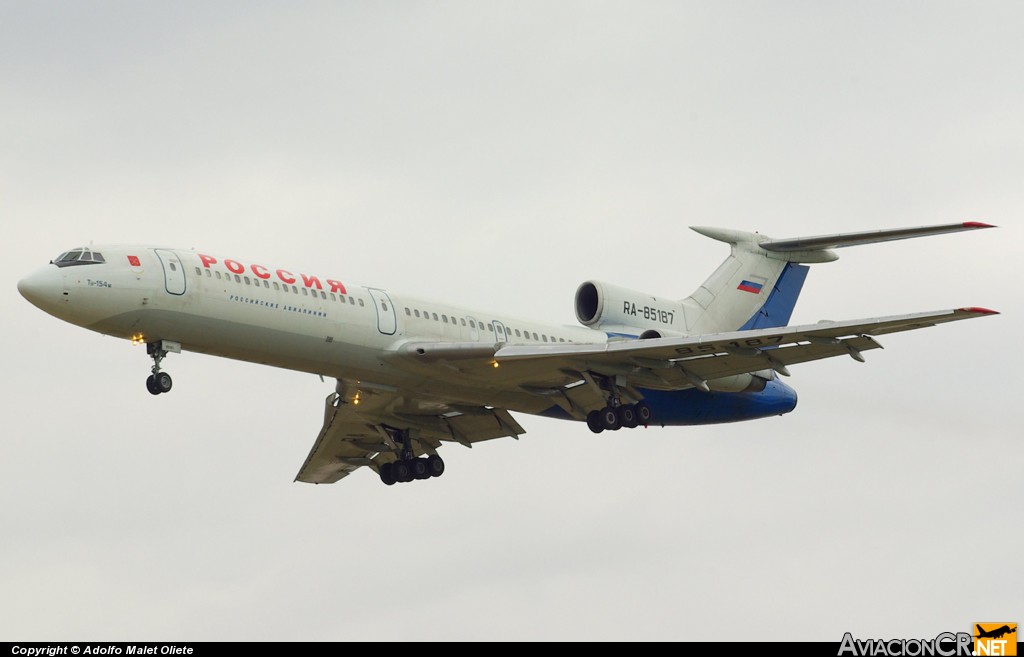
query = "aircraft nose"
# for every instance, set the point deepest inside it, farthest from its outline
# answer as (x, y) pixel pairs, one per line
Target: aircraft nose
(44, 287)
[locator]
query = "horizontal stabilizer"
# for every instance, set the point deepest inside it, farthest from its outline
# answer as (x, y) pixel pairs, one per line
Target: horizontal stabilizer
(867, 237)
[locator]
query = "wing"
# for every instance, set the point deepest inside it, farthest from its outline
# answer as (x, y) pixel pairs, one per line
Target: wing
(673, 363)
(555, 371)
(362, 433)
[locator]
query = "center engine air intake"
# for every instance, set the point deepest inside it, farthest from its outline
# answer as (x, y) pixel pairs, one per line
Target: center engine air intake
(588, 303)
(602, 306)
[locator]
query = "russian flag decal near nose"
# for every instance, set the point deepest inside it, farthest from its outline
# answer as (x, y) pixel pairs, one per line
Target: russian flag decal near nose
(134, 261)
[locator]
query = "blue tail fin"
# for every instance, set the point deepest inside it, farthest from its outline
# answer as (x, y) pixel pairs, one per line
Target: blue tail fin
(777, 310)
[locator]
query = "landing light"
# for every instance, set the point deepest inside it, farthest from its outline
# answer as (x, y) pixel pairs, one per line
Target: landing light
(495, 364)
(138, 339)
(355, 400)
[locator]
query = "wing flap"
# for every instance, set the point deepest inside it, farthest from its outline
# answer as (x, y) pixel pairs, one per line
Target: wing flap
(472, 428)
(340, 448)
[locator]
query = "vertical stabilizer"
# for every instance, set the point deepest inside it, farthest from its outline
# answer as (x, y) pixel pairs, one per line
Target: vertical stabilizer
(737, 292)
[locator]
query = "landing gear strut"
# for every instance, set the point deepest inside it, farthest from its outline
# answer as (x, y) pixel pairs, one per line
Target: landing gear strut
(408, 467)
(617, 415)
(160, 382)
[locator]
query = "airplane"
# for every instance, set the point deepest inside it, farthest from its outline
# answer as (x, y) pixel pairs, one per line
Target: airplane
(996, 633)
(412, 374)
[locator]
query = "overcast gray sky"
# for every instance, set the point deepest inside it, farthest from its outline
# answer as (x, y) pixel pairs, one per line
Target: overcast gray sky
(497, 154)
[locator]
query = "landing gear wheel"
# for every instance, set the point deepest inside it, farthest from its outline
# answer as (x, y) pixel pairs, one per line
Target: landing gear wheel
(418, 468)
(159, 382)
(594, 421)
(627, 416)
(387, 474)
(401, 471)
(435, 466)
(643, 413)
(610, 419)
(162, 381)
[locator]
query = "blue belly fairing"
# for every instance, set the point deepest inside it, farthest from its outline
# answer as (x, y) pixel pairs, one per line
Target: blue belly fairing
(692, 406)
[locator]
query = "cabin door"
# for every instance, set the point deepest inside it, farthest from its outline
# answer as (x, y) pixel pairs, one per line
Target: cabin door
(387, 322)
(174, 272)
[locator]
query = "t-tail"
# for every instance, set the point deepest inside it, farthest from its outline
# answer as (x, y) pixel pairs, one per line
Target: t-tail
(759, 283)
(756, 287)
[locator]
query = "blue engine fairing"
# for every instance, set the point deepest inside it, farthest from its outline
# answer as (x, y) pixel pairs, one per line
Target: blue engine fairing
(692, 406)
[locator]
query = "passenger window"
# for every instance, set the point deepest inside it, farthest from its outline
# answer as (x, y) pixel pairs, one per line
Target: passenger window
(545, 338)
(490, 327)
(535, 337)
(444, 318)
(277, 287)
(435, 317)
(463, 320)
(472, 324)
(383, 306)
(238, 279)
(417, 312)
(352, 301)
(208, 274)
(561, 339)
(361, 302)
(323, 295)
(408, 314)
(199, 272)
(295, 290)
(247, 280)
(517, 333)
(305, 292)
(218, 276)
(171, 265)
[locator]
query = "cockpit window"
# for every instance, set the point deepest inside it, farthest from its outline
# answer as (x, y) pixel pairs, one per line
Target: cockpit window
(78, 257)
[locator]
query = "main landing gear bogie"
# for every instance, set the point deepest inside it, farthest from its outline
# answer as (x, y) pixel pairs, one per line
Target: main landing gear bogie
(407, 467)
(406, 470)
(613, 418)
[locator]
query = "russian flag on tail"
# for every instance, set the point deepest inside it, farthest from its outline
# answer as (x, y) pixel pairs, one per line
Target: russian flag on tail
(754, 287)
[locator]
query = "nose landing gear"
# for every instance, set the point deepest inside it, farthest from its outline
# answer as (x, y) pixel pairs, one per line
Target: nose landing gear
(160, 382)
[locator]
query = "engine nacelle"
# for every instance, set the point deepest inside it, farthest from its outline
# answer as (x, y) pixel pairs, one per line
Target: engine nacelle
(602, 306)
(751, 382)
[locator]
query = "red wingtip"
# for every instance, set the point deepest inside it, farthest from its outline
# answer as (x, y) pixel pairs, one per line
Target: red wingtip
(979, 311)
(977, 224)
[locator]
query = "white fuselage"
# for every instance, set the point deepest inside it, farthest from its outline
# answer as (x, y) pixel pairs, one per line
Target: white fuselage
(285, 318)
